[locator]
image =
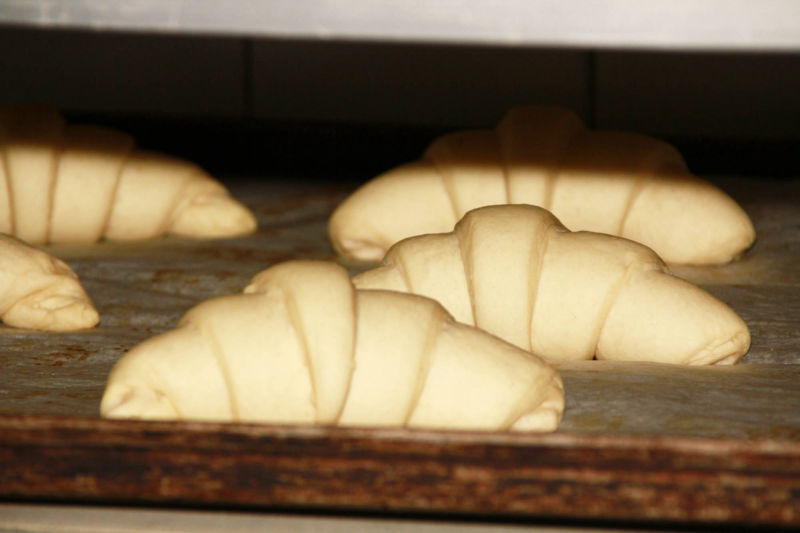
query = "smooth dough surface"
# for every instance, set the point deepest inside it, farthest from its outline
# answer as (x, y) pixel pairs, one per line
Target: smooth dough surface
(518, 273)
(620, 183)
(302, 345)
(80, 184)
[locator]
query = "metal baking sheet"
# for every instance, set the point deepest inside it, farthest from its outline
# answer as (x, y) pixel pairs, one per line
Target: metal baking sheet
(56, 380)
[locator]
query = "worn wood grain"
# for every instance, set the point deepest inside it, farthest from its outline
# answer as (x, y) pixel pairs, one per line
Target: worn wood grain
(579, 476)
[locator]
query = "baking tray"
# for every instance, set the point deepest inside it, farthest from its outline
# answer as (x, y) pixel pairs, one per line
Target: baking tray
(638, 441)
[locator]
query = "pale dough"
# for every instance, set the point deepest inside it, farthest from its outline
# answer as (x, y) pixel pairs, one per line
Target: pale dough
(518, 273)
(619, 183)
(302, 345)
(79, 184)
(38, 291)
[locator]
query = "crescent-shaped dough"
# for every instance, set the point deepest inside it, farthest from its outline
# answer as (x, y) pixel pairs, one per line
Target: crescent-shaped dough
(302, 345)
(78, 184)
(618, 183)
(517, 272)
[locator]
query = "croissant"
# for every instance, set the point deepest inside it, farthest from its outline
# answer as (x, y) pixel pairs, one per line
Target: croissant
(517, 272)
(38, 291)
(618, 183)
(301, 345)
(79, 184)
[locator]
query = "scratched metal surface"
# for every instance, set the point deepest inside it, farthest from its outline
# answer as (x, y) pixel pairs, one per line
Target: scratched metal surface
(143, 289)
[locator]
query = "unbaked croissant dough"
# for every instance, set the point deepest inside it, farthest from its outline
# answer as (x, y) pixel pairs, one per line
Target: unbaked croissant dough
(301, 345)
(516, 272)
(38, 291)
(609, 182)
(78, 184)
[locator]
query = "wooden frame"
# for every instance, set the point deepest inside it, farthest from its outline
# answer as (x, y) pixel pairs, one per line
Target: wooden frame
(503, 475)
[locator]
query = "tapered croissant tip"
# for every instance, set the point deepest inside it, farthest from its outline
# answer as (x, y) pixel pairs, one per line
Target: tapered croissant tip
(725, 352)
(548, 414)
(130, 401)
(57, 313)
(78, 315)
(360, 250)
(213, 216)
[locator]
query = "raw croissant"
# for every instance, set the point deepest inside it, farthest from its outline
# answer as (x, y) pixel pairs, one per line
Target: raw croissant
(610, 182)
(303, 346)
(38, 291)
(516, 272)
(79, 184)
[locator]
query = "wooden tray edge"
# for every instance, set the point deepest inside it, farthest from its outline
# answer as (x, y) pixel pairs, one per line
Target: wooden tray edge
(576, 476)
